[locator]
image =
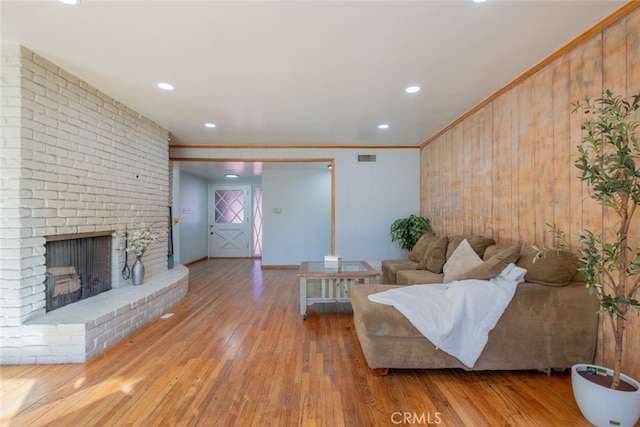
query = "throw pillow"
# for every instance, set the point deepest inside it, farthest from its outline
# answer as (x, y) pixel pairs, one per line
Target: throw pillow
(494, 265)
(418, 250)
(463, 260)
(478, 243)
(435, 256)
(556, 268)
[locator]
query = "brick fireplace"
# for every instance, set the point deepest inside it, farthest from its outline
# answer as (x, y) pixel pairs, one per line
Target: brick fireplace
(75, 161)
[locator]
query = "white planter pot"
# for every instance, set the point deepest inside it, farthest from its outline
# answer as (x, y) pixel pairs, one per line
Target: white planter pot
(602, 406)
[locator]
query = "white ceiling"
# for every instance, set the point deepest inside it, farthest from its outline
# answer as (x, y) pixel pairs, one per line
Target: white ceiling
(299, 72)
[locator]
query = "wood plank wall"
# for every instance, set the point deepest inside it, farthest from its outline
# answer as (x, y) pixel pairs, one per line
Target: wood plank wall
(508, 168)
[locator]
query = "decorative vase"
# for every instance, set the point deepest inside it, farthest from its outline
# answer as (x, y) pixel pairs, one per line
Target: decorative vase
(603, 406)
(137, 272)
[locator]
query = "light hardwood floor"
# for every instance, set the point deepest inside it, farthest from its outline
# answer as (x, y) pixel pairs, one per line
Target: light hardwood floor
(237, 353)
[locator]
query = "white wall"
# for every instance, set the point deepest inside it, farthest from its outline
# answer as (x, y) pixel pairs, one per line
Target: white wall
(302, 229)
(193, 215)
(368, 197)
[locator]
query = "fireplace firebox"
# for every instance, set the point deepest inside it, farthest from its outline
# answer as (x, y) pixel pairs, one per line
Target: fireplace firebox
(78, 266)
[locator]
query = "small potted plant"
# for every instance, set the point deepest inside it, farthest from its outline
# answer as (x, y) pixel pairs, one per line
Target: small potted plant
(609, 163)
(407, 231)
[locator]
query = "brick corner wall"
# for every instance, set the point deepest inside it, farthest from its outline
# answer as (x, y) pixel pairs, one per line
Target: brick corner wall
(74, 160)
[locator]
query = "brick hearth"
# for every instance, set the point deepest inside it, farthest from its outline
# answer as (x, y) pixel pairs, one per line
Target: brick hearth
(82, 330)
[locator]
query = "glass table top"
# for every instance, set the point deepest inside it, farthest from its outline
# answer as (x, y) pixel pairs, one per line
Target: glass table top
(346, 268)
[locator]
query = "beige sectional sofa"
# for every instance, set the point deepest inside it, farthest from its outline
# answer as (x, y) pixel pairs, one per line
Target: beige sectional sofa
(549, 323)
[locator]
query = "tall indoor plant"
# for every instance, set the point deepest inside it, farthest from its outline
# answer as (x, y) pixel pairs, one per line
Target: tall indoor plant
(609, 163)
(407, 231)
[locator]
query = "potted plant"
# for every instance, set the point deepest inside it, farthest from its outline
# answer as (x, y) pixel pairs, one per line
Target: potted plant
(407, 231)
(609, 163)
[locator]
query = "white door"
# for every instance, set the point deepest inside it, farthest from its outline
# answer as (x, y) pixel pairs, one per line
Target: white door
(229, 222)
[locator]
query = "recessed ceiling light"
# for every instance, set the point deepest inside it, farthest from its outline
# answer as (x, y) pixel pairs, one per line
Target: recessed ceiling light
(165, 86)
(479, 1)
(383, 126)
(231, 175)
(210, 125)
(69, 1)
(412, 89)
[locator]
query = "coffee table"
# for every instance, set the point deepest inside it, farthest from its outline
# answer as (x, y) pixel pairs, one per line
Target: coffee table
(320, 285)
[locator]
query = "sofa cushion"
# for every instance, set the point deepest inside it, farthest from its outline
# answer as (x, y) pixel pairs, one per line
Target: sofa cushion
(478, 243)
(418, 277)
(391, 267)
(491, 267)
(435, 256)
(555, 268)
(418, 250)
(379, 319)
(492, 250)
(463, 260)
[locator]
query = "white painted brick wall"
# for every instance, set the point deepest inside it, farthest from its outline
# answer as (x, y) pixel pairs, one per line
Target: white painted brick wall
(73, 160)
(11, 245)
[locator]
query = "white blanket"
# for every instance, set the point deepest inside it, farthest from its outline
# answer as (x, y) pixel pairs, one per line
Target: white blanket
(458, 316)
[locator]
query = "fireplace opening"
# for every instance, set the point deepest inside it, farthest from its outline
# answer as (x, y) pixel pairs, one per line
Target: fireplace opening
(78, 266)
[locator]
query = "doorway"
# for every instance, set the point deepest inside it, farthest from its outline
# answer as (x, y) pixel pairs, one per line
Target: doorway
(230, 238)
(230, 221)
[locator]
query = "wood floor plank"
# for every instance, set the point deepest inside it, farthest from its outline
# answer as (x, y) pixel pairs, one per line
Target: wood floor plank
(236, 352)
